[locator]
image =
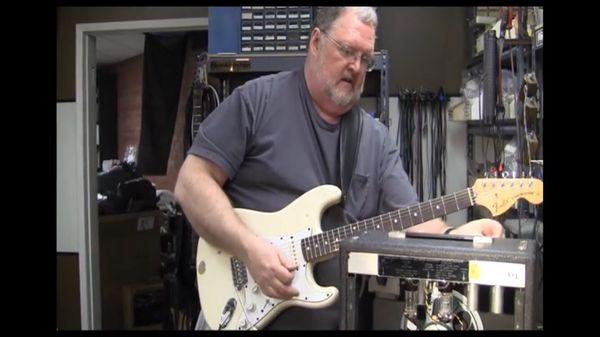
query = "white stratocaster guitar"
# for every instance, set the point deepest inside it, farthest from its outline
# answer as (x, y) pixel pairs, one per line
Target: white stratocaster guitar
(231, 299)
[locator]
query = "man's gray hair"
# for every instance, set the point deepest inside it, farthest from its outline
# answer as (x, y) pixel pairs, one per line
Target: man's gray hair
(326, 16)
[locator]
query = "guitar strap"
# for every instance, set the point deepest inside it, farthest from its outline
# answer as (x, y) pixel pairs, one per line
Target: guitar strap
(350, 133)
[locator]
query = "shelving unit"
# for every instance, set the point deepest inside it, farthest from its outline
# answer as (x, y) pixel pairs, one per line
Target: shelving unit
(506, 128)
(526, 56)
(232, 70)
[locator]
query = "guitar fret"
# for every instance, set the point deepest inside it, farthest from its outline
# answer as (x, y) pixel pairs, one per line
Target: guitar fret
(420, 212)
(432, 210)
(331, 242)
(471, 200)
(455, 199)
(401, 222)
(306, 250)
(321, 244)
(444, 205)
(317, 246)
(312, 246)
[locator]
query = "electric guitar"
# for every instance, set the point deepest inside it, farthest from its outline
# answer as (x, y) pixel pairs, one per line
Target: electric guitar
(231, 299)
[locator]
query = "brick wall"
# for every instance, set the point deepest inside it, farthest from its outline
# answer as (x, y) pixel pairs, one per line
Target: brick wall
(129, 112)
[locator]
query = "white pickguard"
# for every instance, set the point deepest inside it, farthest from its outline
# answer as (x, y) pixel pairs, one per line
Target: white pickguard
(257, 305)
(285, 229)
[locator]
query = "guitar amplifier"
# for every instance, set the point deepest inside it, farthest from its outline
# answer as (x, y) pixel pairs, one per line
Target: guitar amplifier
(447, 282)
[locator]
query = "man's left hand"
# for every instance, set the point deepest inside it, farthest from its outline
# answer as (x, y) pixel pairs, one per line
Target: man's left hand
(481, 227)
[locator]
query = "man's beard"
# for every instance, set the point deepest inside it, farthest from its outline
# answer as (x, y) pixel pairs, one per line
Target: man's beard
(339, 97)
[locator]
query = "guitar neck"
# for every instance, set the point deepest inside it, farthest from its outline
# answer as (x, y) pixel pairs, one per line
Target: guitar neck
(326, 244)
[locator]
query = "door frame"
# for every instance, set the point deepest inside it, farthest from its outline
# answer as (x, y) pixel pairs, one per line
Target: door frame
(85, 204)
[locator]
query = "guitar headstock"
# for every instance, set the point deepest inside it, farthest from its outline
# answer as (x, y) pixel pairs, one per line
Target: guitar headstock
(498, 195)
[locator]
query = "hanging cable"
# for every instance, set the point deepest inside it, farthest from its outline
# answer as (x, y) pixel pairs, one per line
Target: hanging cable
(204, 97)
(421, 139)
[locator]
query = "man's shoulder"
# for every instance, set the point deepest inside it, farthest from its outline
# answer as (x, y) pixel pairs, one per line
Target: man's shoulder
(266, 83)
(373, 124)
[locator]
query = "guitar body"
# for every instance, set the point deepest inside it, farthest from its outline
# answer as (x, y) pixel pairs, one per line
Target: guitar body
(218, 273)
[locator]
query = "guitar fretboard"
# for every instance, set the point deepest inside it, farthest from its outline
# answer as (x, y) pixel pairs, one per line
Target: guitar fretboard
(325, 244)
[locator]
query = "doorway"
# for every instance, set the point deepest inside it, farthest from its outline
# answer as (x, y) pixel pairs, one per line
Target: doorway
(85, 205)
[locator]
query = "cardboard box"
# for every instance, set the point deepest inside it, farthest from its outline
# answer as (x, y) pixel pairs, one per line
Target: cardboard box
(129, 247)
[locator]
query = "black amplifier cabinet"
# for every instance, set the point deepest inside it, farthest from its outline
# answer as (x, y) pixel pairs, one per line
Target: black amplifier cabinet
(466, 262)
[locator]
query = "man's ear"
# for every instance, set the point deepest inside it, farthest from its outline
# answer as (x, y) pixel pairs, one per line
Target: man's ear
(315, 37)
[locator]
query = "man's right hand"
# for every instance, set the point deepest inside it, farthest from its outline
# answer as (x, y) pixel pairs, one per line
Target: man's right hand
(270, 269)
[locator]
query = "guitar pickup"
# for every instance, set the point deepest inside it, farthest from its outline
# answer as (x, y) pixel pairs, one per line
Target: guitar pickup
(239, 273)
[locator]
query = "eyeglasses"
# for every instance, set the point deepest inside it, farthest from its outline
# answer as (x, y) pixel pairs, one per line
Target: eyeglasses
(350, 54)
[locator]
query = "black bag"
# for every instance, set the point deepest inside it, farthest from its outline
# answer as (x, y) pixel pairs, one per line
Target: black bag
(137, 195)
(125, 190)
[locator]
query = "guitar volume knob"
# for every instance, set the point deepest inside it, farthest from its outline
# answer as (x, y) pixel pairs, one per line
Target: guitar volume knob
(255, 288)
(250, 306)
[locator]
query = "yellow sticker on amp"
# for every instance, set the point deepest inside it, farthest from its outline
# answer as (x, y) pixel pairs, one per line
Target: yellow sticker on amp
(497, 273)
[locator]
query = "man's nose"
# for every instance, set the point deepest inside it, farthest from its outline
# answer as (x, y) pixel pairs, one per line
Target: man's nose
(355, 64)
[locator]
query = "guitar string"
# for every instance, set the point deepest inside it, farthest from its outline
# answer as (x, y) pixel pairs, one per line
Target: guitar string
(316, 241)
(321, 241)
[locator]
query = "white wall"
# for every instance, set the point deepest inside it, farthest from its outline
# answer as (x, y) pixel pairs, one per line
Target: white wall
(456, 158)
(66, 165)
(456, 165)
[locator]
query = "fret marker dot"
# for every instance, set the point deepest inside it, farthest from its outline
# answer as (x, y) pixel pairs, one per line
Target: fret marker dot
(395, 220)
(377, 226)
(415, 214)
(437, 207)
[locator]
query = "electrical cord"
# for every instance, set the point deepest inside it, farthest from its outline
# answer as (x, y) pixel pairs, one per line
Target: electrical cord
(422, 128)
(203, 97)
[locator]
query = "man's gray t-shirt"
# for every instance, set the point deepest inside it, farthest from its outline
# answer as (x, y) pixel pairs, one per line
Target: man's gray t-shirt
(269, 139)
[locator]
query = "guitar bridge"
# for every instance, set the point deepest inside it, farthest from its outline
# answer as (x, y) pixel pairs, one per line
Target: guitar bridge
(240, 276)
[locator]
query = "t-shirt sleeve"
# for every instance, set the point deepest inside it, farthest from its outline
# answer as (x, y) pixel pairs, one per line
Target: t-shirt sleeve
(224, 135)
(396, 191)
